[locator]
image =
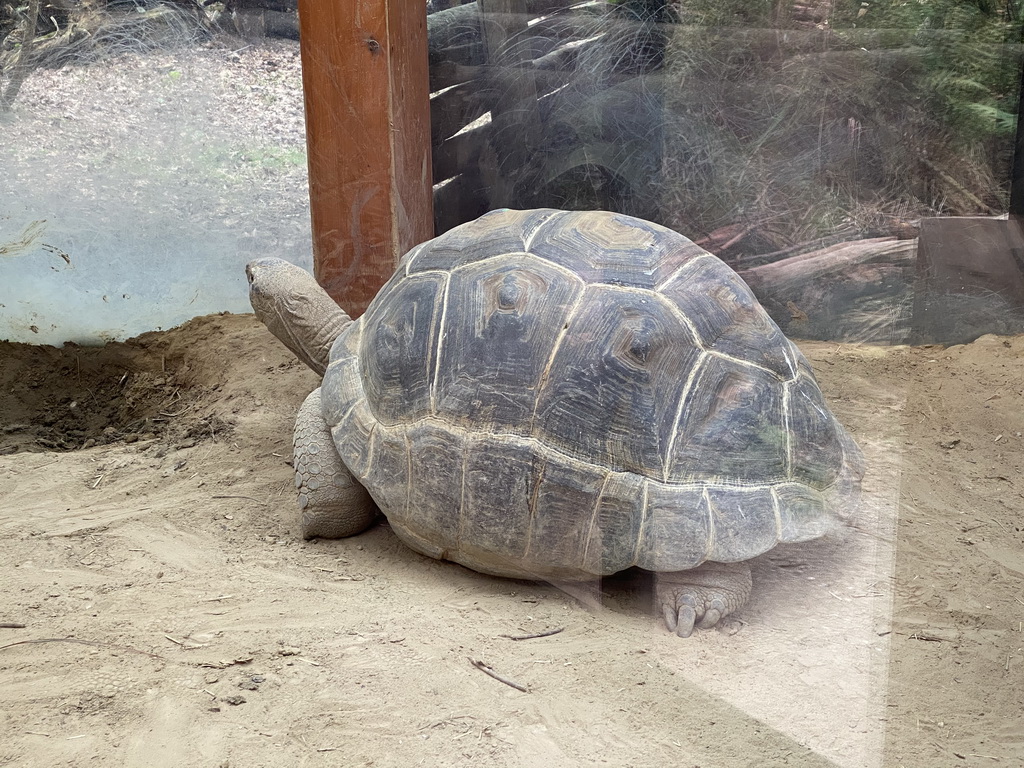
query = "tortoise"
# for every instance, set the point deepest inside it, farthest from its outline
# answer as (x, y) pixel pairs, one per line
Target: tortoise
(559, 395)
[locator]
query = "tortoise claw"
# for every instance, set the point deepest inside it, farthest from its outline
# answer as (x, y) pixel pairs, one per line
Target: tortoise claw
(687, 616)
(682, 616)
(680, 619)
(671, 617)
(715, 610)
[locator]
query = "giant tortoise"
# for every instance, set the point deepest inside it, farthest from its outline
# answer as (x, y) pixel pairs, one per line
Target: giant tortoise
(563, 395)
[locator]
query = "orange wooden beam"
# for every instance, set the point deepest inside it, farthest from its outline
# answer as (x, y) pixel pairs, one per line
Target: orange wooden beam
(364, 72)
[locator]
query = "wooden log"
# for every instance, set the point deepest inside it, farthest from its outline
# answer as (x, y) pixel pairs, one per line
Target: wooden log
(455, 35)
(488, 81)
(364, 71)
(858, 291)
(270, 5)
(830, 261)
(260, 23)
(445, 74)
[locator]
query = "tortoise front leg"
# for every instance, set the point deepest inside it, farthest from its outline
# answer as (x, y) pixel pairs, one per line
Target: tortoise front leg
(332, 502)
(701, 597)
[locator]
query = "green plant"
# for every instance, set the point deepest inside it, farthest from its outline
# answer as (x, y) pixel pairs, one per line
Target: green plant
(971, 54)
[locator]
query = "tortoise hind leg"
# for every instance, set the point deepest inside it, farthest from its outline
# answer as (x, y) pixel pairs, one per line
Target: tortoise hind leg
(702, 596)
(332, 502)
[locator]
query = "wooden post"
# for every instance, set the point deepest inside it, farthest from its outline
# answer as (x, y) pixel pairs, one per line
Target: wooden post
(364, 72)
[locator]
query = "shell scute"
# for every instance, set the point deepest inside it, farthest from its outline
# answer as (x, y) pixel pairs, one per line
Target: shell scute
(817, 442)
(728, 318)
(612, 248)
(352, 437)
(503, 317)
(745, 523)
(611, 392)
(802, 513)
(612, 541)
(342, 387)
(434, 484)
(676, 533)
(563, 514)
(731, 427)
(494, 233)
(500, 488)
(386, 473)
(398, 347)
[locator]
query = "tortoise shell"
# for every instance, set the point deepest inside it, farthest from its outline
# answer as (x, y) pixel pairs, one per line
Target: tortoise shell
(551, 394)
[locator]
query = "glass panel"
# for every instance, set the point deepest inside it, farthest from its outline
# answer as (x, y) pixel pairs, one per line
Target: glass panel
(807, 145)
(853, 162)
(598, 393)
(142, 167)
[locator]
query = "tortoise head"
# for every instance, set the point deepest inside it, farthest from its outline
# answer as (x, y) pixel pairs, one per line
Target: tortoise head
(288, 300)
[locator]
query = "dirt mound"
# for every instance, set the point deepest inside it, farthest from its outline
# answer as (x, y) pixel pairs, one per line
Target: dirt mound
(159, 385)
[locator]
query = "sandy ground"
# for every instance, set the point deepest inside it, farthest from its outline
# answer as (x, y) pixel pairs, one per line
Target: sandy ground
(173, 616)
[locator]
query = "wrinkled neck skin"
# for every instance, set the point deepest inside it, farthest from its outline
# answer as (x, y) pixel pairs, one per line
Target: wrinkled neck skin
(294, 307)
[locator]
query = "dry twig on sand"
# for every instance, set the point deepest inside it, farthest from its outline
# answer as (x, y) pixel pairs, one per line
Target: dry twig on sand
(486, 669)
(548, 633)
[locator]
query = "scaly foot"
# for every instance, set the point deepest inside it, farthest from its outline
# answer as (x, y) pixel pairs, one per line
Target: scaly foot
(701, 597)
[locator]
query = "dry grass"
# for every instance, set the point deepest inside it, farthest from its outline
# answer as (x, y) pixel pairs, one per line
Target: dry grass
(89, 32)
(793, 132)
